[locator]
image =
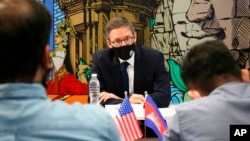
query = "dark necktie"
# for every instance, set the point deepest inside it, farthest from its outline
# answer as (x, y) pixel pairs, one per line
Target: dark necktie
(125, 82)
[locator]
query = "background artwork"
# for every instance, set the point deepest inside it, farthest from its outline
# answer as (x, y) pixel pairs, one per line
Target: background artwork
(170, 26)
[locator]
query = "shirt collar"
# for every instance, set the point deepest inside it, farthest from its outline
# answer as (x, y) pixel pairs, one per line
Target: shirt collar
(131, 60)
(22, 90)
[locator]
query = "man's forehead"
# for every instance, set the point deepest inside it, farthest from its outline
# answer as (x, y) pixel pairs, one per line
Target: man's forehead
(120, 33)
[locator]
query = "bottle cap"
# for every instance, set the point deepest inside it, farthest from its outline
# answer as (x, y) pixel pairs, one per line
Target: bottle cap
(93, 74)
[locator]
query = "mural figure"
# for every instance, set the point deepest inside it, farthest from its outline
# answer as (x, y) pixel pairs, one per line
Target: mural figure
(64, 84)
(188, 33)
(200, 20)
(172, 27)
(178, 89)
(84, 72)
(196, 21)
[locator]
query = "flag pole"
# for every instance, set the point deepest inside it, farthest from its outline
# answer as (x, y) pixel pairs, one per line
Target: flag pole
(145, 130)
(125, 93)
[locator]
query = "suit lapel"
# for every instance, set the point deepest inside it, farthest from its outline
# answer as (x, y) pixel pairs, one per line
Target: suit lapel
(116, 74)
(138, 69)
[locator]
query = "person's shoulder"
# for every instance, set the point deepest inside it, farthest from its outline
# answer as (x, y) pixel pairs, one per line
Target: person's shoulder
(191, 105)
(237, 90)
(93, 113)
(96, 116)
(91, 118)
(88, 111)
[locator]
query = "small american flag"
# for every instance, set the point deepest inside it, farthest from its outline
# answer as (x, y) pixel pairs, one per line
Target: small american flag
(127, 122)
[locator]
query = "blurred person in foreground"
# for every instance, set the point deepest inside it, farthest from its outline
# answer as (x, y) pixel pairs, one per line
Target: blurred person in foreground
(26, 112)
(220, 92)
(146, 69)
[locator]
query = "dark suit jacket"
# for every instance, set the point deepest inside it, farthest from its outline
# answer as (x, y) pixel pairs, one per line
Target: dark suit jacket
(149, 74)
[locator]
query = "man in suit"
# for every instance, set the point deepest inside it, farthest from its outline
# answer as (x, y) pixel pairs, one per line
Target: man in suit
(146, 69)
(216, 82)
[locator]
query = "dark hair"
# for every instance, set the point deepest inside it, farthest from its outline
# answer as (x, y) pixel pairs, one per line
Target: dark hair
(118, 22)
(208, 64)
(25, 27)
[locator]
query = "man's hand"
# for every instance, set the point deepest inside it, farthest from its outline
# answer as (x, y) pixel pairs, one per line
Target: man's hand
(104, 96)
(137, 99)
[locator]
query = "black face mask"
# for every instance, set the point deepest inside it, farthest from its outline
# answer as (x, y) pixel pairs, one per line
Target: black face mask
(124, 52)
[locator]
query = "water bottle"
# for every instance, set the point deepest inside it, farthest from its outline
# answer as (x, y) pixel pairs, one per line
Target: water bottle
(94, 89)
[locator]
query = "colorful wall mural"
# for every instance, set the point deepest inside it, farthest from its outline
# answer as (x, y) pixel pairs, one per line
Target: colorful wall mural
(170, 26)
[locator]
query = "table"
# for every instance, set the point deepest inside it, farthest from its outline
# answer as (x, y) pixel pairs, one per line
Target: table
(148, 139)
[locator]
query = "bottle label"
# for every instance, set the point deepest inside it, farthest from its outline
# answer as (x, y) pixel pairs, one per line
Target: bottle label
(94, 95)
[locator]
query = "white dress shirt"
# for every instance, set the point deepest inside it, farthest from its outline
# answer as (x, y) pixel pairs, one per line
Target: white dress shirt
(130, 71)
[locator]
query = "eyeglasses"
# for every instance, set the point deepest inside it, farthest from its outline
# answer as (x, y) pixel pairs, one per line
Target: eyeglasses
(127, 41)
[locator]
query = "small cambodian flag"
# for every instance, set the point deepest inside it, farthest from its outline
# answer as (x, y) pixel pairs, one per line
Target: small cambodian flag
(153, 118)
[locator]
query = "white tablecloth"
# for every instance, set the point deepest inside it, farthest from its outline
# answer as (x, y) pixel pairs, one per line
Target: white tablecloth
(167, 113)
